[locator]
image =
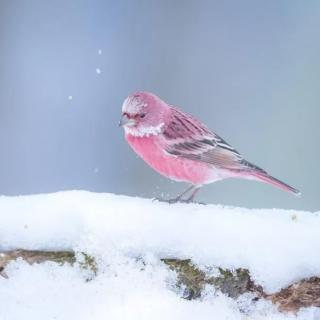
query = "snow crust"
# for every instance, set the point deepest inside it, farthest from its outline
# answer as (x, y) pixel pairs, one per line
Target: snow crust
(127, 235)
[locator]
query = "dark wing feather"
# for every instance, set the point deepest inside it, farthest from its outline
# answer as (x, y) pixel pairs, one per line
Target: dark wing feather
(186, 137)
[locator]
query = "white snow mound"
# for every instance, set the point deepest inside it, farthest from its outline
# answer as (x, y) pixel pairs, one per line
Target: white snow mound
(279, 247)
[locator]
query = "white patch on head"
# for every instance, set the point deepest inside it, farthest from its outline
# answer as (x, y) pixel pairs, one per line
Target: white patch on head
(132, 105)
(144, 131)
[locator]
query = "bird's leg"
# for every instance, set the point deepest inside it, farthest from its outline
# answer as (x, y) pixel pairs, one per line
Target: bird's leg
(191, 197)
(193, 194)
(179, 197)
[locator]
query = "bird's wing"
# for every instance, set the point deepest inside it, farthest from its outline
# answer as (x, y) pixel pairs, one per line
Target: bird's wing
(186, 137)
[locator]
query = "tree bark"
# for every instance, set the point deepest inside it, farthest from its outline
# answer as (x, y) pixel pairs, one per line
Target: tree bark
(233, 283)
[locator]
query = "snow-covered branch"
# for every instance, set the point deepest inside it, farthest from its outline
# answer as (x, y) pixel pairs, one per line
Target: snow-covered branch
(134, 249)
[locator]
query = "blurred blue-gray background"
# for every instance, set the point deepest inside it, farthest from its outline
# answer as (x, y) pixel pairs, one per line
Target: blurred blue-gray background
(249, 69)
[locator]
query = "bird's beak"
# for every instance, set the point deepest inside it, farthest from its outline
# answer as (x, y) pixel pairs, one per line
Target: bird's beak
(126, 121)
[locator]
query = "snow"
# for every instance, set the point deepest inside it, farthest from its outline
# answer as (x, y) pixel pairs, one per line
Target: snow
(279, 247)
(98, 71)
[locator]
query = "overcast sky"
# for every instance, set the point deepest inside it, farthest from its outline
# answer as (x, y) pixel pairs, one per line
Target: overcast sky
(248, 69)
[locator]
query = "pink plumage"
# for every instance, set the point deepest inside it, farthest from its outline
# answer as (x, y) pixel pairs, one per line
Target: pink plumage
(181, 148)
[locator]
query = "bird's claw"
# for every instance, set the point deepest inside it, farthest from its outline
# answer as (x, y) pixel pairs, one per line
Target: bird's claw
(177, 200)
(170, 201)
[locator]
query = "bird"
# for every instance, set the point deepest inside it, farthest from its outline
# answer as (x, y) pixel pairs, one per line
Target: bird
(182, 148)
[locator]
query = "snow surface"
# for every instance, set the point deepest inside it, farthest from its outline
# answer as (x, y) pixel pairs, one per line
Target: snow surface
(279, 247)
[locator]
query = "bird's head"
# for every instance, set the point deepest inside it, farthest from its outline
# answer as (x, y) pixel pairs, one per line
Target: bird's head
(143, 114)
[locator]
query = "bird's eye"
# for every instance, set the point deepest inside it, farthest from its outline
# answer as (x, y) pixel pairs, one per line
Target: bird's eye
(142, 115)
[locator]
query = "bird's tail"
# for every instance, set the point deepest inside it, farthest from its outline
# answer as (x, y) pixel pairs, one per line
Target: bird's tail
(265, 177)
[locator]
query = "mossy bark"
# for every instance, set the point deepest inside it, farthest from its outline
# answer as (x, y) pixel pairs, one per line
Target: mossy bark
(232, 283)
(190, 279)
(84, 260)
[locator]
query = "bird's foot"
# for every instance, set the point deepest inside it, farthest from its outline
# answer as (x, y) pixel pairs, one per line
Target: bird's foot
(177, 200)
(170, 201)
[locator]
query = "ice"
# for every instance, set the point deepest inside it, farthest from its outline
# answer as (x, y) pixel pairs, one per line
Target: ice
(277, 246)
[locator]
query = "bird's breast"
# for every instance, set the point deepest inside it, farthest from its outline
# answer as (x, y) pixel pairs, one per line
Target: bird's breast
(151, 150)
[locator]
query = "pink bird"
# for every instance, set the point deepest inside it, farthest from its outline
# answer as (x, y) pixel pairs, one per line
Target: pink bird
(181, 148)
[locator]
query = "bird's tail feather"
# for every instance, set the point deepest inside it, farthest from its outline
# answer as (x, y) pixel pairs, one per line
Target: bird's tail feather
(264, 177)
